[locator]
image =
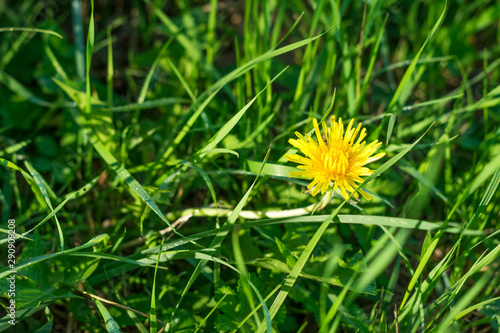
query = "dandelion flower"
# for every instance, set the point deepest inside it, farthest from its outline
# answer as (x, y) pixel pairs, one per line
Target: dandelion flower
(341, 159)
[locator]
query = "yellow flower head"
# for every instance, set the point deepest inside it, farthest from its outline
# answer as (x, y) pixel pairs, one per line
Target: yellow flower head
(341, 159)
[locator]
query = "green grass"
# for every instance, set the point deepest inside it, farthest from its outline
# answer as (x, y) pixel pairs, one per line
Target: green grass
(142, 157)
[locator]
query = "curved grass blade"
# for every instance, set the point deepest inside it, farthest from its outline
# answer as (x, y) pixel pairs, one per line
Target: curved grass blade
(53, 60)
(183, 82)
(11, 165)
(244, 279)
(221, 235)
(474, 307)
(402, 91)
(191, 48)
(468, 298)
(153, 328)
(17, 236)
(195, 110)
(27, 177)
(120, 170)
(144, 105)
(390, 127)
(43, 189)
(14, 148)
(208, 181)
(41, 31)
(89, 50)
(16, 87)
(441, 100)
(221, 134)
(474, 184)
(48, 327)
(145, 86)
(347, 219)
(110, 69)
(297, 268)
(69, 197)
(94, 241)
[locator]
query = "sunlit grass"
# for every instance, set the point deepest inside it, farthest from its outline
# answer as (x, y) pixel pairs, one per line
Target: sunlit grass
(143, 159)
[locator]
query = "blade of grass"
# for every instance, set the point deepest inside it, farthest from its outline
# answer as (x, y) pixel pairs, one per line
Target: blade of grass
(153, 328)
(240, 264)
(195, 110)
(88, 51)
(19, 89)
(183, 81)
(113, 163)
(220, 236)
(222, 133)
(207, 180)
(369, 276)
(308, 53)
(369, 70)
(144, 105)
(41, 31)
(94, 241)
(29, 179)
(468, 190)
(466, 299)
(43, 189)
(191, 48)
(212, 21)
(68, 197)
(53, 60)
(402, 92)
(474, 307)
(297, 268)
(147, 81)
(76, 14)
(137, 322)
(210, 313)
(110, 322)
(110, 70)
(348, 219)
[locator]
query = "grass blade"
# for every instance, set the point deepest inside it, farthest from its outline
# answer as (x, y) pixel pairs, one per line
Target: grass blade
(221, 234)
(43, 189)
(402, 91)
(41, 31)
(109, 321)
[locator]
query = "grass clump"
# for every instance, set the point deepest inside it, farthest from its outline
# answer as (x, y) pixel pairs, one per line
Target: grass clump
(143, 148)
